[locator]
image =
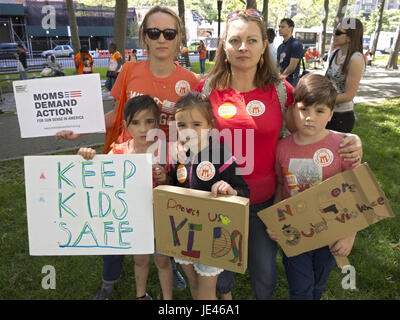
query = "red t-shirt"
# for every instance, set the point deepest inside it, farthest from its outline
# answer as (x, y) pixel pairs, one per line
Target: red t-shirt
(301, 166)
(165, 91)
(259, 113)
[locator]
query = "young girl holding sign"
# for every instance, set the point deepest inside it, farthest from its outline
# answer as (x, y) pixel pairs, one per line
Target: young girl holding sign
(203, 170)
(303, 159)
(141, 115)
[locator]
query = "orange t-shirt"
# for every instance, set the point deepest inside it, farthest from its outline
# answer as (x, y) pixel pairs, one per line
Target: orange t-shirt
(165, 91)
(308, 55)
(78, 58)
(202, 52)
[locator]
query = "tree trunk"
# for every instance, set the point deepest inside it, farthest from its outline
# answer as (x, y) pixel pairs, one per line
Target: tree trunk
(251, 4)
(76, 45)
(120, 17)
(394, 55)
(378, 27)
(181, 10)
(324, 22)
(265, 12)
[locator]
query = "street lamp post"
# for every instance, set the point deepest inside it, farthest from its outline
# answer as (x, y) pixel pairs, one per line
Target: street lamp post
(219, 2)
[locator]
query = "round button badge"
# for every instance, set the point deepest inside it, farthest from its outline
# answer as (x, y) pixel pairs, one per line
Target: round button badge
(205, 171)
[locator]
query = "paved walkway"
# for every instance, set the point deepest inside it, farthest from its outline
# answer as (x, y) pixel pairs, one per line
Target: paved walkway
(377, 84)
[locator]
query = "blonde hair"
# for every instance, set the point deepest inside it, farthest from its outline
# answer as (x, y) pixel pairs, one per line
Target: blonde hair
(143, 26)
(266, 74)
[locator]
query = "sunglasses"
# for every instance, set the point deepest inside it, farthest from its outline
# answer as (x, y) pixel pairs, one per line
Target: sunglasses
(246, 12)
(154, 33)
(339, 33)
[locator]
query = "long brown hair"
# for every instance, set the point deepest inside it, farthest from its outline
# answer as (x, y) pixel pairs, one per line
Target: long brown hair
(354, 30)
(266, 74)
(143, 26)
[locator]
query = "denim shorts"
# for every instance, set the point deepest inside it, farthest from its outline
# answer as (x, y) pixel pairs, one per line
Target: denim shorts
(202, 269)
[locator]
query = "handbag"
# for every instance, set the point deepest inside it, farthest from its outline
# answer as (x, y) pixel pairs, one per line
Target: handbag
(304, 69)
(113, 133)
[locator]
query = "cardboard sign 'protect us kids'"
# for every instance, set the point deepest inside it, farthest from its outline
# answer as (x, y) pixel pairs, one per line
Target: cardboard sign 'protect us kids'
(319, 216)
(98, 207)
(49, 105)
(191, 225)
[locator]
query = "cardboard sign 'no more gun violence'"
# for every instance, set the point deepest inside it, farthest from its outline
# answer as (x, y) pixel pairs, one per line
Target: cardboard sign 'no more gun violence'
(319, 216)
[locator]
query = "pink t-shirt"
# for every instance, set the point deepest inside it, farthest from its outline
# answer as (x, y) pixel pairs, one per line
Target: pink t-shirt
(301, 166)
(258, 114)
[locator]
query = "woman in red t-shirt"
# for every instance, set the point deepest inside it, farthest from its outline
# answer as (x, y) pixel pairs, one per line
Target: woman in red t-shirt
(246, 107)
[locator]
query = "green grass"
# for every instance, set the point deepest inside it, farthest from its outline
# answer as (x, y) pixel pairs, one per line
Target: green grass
(384, 60)
(5, 85)
(375, 256)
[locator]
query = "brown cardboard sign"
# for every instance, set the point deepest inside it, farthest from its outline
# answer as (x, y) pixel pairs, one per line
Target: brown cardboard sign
(192, 225)
(319, 216)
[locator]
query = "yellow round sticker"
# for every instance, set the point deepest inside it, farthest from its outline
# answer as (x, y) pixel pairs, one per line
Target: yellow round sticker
(181, 173)
(227, 110)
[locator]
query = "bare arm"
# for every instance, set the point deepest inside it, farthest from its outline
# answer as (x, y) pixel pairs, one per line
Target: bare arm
(352, 80)
(289, 119)
(70, 135)
(291, 67)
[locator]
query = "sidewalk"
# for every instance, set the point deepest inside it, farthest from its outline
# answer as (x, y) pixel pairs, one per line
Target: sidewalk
(376, 85)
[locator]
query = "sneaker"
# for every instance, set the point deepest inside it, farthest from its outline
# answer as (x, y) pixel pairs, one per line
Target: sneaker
(146, 297)
(104, 294)
(179, 280)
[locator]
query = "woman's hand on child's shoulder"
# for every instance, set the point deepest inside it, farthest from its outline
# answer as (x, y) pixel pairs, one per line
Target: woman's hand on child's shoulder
(87, 153)
(222, 187)
(159, 174)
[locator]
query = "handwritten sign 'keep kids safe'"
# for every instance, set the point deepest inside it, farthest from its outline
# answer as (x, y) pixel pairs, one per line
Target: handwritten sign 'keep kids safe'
(99, 207)
(46, 106)
(338, 207)
(191, 225)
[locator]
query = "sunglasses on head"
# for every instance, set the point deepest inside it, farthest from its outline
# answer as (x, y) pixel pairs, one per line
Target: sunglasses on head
(246, 12)
(339, 33)
(154, 33)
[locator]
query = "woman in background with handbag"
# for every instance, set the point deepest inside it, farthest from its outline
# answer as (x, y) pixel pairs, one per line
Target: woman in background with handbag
(345, 70)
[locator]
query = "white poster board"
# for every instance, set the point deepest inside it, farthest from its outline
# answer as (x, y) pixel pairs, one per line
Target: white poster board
(49, 105)
(99, 207)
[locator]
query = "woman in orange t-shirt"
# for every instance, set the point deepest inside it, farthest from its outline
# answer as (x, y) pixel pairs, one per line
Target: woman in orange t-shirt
(80, 58)
(165, 81)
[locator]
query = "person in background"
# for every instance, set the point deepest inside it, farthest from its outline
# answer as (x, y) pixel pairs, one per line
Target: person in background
(315, 56)
(289, 53)
(271, 36)
(55, 67)
(202, 50)
(368, 57)
(80, 58)
(114, 66)
(22, 64)
(133, 57)
(346, 67)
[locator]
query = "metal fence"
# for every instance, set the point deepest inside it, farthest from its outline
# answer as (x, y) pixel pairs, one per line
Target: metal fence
(11, 64)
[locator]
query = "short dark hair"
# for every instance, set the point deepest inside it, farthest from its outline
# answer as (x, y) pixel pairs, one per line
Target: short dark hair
(289, 22)
(315, 88)
(84, 49)
(270, 35)
(114, 45)
(20, 46)
(196, 100)
(140, 103)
